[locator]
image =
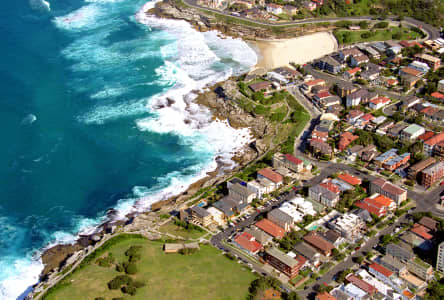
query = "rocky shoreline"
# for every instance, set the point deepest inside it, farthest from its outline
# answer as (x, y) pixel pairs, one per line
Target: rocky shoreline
(60, 258)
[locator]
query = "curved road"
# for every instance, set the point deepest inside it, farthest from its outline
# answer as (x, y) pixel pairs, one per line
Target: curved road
(432, 32)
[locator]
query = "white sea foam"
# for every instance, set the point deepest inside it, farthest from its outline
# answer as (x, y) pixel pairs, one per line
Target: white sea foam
(193, 61)
(28, 120)
(40, 5)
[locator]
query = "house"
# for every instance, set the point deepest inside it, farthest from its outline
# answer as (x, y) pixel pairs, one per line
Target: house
(378, 103)
(415, 170)
(325, 296)
(280, 218)
(261, 187)
(330, 101)
(401, 251)
(393, 264)
(307, 251)
(437, 96)
(421, 269)
(359, 60)
(325, 194)
(390, 160)
(287, 161)
(412, 132)
(377, 204)
(393, 51)
(388, 189)
(432, 174)
(247, 242)
(396, 129)
(311, 6)
(391, 82)
(409, 81)
(361, 284)
(409, 102)
(319, 135)
(344, 54)
(333, 237)
(345, 140)
(439, 150)
(260, 236)
(312, 83)
(413, 283)
(271, 175)
(317, 242)
(352, 73)
(361, 95)
(321, 95)
(410, 71)
(320, 147)
(216, 215)
(277, 78)
(433, 62)
(429, 145)
(200, 216)
(373, 53)
(381, 273)
(270, 228)
(348, 225)
(427, 135)
(350, 179)
(421, 231)
(421, 67)
(264, 86)
(368, 153)
(353, 115)
(441, 86)
(287, 72)
(429, 223)
(284, 263)
(229, 207)
(241, 193)
(290, 9)
(274, 8)
(329, 64)
(371, 72)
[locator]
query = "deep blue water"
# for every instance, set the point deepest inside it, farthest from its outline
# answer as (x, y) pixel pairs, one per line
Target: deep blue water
(79, 84)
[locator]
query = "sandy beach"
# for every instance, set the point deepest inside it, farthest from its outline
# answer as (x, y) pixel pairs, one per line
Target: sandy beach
(299, 50)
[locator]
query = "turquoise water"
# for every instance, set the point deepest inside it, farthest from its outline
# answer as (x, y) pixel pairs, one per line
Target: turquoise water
(86, 121)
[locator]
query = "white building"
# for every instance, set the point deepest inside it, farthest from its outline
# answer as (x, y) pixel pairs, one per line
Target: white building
(274, 8)
(440, 258)
(261, 187)
(217, 215)
(349, 225)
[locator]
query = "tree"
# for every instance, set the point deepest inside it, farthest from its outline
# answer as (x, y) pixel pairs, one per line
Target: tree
(291, 296)
(397, 116)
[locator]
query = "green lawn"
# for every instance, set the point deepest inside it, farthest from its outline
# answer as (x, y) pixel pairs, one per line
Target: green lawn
(206, 274)
(395, 33)
(170, 227)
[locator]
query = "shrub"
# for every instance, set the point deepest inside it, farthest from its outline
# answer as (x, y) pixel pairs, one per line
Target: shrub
(99, 298)
(118, 298)
(118, 281)
(381, 25)
(131, 269)
(106, 261)
(129, 289)
(120, 268)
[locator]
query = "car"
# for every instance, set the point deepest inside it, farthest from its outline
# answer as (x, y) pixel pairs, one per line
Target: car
(442, 183)
(357, 248)
(318, 278)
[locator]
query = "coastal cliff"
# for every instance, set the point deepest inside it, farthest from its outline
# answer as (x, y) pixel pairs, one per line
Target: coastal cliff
(205, 21)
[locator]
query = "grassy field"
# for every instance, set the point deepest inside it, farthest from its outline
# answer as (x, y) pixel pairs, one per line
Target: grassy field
(170, 227)
(395, 33)
(206, 274)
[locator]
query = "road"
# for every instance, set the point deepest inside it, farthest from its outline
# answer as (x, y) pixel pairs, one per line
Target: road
(432, 32)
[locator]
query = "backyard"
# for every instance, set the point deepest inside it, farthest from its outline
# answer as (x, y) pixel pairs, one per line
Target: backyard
(206, 274)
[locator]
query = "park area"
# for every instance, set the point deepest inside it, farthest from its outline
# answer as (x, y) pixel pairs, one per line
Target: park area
(205, 274)
(383, 34)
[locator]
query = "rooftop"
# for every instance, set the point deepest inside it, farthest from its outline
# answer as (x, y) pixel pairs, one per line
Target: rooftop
(317, 241)
(289, 261)
(248, 242)
(380, 269)
(413, 128)
(270, 228)
(272, 175)
(346, 177)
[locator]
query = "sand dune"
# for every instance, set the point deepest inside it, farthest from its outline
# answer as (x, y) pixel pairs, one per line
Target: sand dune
(299, 50)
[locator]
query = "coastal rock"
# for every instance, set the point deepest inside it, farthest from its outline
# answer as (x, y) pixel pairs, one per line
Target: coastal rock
(54, 257)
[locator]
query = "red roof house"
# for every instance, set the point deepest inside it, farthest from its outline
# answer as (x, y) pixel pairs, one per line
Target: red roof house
(270, 228)
(378, 205)
(363, 285)
(377, 269)
(437, 96)
(421, 231)
(248, 242)
(271, 175)
(346, 139)
(352, 180)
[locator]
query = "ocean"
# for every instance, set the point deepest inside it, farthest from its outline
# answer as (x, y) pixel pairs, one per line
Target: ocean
(97, 113)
